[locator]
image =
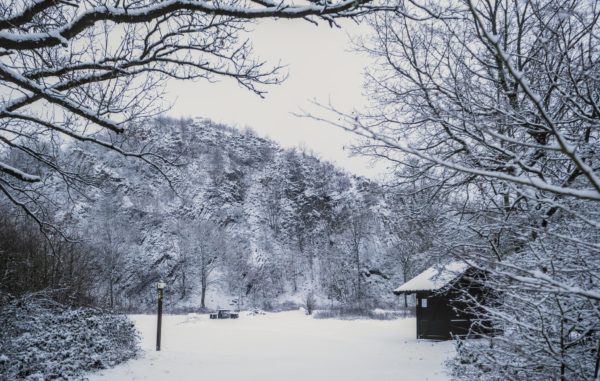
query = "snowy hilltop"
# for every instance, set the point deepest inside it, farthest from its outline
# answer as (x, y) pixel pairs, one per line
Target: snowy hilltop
(227, 218)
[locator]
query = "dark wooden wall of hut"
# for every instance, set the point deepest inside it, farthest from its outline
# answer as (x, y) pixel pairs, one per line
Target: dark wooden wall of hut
(451, 312)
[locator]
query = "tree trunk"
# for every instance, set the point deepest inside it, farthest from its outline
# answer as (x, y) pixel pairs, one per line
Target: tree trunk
(294, 272)
(202, 305)
(597, 370)
(110, 291)
(404, 278)
(358, 285)
(183, 283)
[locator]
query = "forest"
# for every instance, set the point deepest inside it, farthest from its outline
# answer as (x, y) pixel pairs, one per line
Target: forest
(487, 112)
(240, 222)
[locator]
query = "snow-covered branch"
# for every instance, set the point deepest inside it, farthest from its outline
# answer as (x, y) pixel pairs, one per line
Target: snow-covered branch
(86, 71)
(149, 12)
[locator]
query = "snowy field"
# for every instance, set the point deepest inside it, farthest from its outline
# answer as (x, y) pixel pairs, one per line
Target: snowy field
(282, 346)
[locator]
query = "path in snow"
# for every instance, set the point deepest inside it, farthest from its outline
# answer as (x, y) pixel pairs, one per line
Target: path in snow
(287, 346)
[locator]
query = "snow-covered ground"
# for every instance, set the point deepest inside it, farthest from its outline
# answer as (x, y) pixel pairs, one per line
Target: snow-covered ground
(282, 346)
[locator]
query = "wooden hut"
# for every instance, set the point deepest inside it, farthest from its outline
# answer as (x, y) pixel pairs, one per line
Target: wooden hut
(441, 308)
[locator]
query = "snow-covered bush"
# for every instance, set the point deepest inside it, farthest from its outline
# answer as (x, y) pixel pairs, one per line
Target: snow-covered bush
(43, 340)
(353, 313)
(310, 302)
(256, 312)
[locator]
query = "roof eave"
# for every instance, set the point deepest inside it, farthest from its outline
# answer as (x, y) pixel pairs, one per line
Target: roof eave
(401, 292)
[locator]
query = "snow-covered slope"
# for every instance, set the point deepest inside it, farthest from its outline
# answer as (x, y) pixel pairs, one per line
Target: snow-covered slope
(287, 224)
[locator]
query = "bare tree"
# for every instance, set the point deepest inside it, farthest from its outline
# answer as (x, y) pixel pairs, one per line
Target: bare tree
(86, 70)
(238, 268)
(110, 235)
(415, 219)
(492, 95)
(111, 256)
(309, 301)
(498, 101)
(358, 231)
(204, 247)
(271, 203)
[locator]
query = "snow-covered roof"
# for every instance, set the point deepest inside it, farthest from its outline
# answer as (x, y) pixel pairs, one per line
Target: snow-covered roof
(434, 278)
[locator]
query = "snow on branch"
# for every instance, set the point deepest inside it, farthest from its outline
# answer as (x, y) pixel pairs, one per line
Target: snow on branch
(17, 173)
(53, 96)
(351, 125)
(539, 280)
(535, 98)
(86, 71)
(146, 13)
(27, 14)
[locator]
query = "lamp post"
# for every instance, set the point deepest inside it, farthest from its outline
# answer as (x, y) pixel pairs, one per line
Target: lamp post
(160, 286)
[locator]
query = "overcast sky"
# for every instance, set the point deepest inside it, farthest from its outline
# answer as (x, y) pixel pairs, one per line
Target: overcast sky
(321, 66)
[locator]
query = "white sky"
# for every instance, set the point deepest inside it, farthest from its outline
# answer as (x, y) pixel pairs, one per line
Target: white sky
(321, 66)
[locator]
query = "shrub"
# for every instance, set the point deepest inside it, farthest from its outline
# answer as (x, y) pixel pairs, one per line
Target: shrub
(43, 340)
(310, 302)
(350, 313)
